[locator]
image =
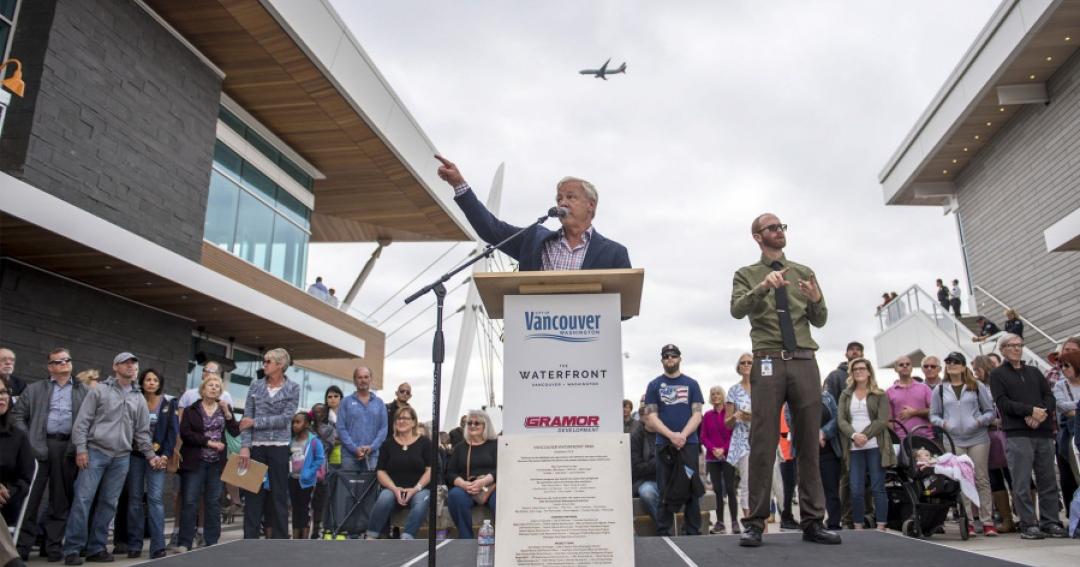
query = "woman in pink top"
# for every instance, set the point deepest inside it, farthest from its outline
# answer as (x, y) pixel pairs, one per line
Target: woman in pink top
(716, 439)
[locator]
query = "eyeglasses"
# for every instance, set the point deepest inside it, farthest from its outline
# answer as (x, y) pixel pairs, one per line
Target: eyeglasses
(404, 418)
(471, 423)
(405, 392)
(1012, 345)
(746, 363)
(903, 364)
(667, 356)
(775, 228)
(860, 369)
(267, 361)
(208, 371)
(59, 361)
(930, 366)
(957, 362)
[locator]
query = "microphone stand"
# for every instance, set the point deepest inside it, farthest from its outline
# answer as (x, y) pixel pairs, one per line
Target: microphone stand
(438, 355)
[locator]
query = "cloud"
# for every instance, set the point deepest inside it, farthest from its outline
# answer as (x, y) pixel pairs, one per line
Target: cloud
(728, 109)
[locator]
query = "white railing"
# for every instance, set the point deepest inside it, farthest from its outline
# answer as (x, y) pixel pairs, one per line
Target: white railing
(1027, 324)
(916, 298)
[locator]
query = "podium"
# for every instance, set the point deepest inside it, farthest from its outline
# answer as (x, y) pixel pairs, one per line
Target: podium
(564, 491)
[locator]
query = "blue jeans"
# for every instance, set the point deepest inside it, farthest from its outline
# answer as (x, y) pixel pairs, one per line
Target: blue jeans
(863, 462)
(650, 497)
(102, 480)
(386, 504)
(202, 483)
(141, 477)
(461, 505)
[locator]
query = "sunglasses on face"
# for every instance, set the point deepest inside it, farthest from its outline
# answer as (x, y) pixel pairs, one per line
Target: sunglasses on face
(930, 366)
(409, 392)
(904, 365)
(59, 361)
(474, 423)
(775, 228)
(667, 356)
(746, 363)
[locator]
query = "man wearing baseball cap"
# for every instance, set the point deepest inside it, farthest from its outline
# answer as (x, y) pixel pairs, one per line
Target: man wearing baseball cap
(673, 403)
(112, 422)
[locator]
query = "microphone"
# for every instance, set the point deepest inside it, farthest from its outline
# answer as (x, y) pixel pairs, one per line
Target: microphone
(560, 212)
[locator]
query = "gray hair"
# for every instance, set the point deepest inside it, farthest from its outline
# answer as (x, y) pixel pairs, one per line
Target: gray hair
(280, 356)
(745, 354)
(1006, 337)
(590, 189)
(489, 428)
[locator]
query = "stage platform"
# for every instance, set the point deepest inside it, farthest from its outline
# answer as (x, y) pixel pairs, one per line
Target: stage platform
(865, 549)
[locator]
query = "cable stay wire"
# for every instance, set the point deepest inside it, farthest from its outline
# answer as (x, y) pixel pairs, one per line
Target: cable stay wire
(425, 332)
(410, 282)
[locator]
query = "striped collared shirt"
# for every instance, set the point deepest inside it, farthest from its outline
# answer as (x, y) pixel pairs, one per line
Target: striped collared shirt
(557, 254)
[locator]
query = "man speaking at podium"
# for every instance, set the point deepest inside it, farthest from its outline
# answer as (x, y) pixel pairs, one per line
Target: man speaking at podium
(575, 246)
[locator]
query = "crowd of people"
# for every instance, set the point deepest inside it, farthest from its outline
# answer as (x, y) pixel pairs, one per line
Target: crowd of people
(102, 450)
(1009, 419)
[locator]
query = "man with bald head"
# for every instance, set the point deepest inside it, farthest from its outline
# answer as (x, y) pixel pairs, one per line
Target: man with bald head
(782, 299)
(909, 401)
(362, 424)
(575, 246)
(7, 372)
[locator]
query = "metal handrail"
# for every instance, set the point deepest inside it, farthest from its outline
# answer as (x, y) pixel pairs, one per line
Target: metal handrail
(1027, 323)
(909, 301)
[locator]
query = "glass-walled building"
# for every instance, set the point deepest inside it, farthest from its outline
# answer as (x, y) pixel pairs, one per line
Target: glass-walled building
(257, 211)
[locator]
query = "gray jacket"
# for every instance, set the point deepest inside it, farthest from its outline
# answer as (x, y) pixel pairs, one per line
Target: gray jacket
(273, 416)
(32, 413)
(113, 422)
(968, 418)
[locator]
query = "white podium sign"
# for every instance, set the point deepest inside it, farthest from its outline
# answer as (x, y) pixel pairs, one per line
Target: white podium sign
(562, 364)
(570, 502)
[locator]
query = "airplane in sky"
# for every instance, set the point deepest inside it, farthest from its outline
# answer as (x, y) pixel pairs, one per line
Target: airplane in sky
(602, 72)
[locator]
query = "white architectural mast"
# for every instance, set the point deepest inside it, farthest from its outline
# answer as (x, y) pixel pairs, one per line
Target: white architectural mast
(469, 321)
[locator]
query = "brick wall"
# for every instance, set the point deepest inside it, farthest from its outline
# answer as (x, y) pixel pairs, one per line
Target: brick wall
(119, 118)
(40, 312)
(1027, 179)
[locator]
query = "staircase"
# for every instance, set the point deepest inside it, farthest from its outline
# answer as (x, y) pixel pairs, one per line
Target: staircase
(915, 325)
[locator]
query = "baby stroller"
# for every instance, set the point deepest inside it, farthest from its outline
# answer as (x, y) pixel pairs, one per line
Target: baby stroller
(920, 500)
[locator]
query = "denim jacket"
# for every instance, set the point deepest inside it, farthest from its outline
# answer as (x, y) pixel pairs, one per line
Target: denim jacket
(273, 416)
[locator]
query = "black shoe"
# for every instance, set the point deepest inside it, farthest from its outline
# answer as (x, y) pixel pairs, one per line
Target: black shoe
(158, 554)
(100, 557)
(24, 554)
(15, 562)
(1031, 532)
(751, 537)
(849, 525)
(55, 557)
(788, 525)
(1055, 531)
(73, 559)
(120, 548)
(132, 553)
(816, 533)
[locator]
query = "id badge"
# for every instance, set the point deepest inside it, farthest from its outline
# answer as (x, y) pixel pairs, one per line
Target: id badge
(766, 367)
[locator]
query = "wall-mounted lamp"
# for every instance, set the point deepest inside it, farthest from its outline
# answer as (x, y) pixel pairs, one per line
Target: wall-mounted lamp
(14, 83)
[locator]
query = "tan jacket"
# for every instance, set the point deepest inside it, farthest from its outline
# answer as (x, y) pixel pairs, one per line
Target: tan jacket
(877, 405)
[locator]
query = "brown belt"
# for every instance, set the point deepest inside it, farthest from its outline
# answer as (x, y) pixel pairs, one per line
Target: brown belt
(785, 354)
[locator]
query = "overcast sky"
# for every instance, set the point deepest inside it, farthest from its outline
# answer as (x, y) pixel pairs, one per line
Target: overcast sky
(728, 109)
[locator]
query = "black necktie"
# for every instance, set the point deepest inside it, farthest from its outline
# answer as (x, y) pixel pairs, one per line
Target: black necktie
(787, 328)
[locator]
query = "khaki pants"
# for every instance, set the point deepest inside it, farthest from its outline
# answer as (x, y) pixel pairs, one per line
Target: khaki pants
(797, 382)
(980, 455)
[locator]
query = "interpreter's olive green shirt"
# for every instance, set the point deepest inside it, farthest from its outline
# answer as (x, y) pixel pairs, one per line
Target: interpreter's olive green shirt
(747, 298)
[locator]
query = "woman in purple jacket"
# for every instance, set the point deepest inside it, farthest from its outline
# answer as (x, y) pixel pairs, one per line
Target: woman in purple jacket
(716, 438)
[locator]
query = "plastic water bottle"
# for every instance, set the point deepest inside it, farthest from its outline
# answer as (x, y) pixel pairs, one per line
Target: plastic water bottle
(485, 545)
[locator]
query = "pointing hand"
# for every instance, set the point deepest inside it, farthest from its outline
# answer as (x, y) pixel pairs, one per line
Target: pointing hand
(775, 279)
(449, 172)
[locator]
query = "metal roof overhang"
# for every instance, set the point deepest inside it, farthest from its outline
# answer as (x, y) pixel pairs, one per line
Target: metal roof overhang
(1008, 65)
(296, 68)
(48, 233)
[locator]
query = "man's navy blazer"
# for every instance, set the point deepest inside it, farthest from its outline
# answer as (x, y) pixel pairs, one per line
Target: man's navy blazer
(528, 248)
